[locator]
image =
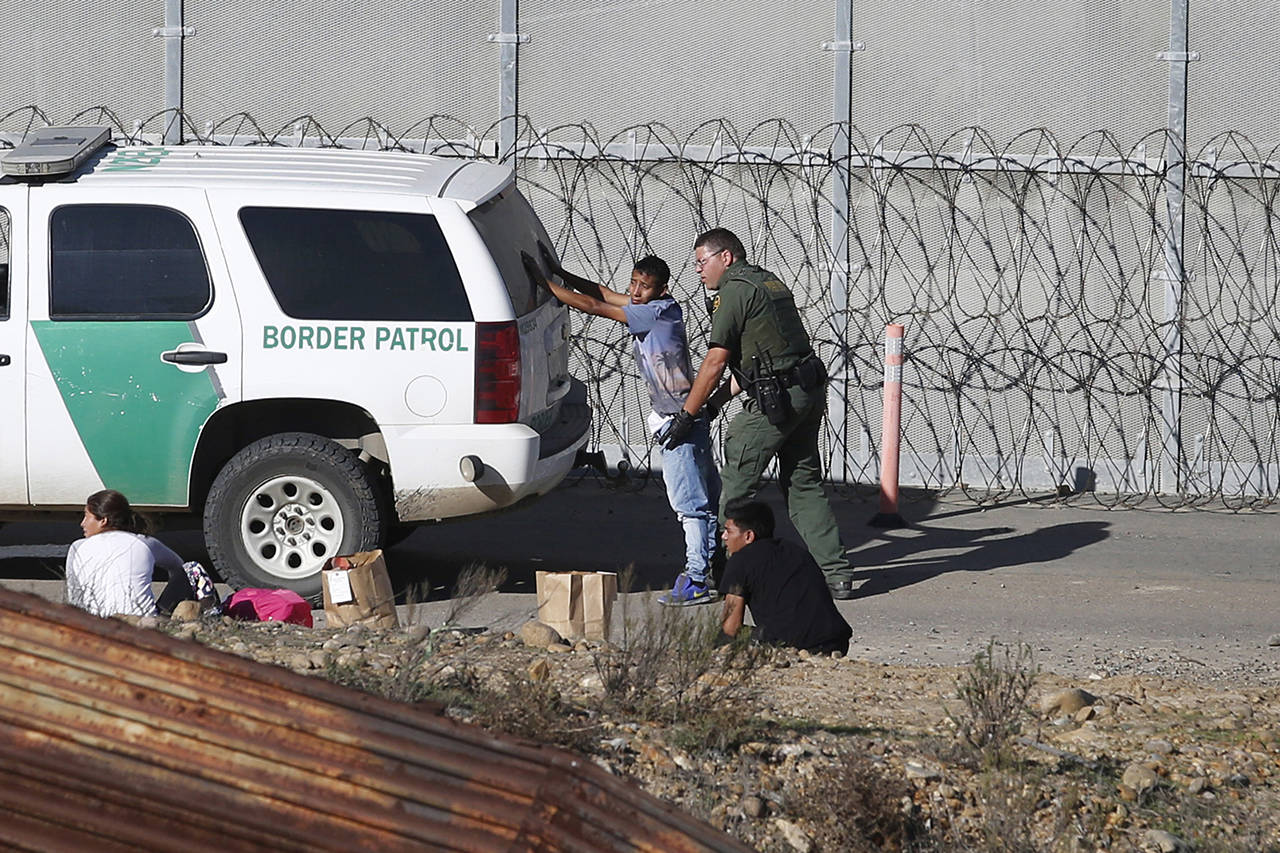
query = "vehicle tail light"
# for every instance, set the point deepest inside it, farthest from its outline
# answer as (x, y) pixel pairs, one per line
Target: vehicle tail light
(497, 373)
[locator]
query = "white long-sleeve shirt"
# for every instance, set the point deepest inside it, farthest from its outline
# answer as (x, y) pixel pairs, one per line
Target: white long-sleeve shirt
(167, 560)
(110, 573)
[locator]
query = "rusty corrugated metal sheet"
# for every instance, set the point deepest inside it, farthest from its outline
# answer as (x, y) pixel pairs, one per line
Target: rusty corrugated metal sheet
(117, 738)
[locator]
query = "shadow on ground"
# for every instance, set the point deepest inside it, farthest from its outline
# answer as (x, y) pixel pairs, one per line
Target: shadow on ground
(901, 561)
(590, 524)
(593, 524)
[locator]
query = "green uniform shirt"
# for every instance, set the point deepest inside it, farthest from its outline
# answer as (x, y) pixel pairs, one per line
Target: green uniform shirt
(756, 315)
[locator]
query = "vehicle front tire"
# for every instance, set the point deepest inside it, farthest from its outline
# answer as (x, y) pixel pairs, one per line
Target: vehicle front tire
(284, 505)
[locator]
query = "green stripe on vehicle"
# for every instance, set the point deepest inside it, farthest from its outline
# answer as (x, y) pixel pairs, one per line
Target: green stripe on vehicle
(137, 416)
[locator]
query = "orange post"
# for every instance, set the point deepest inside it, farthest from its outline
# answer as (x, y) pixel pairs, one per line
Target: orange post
(890, 429)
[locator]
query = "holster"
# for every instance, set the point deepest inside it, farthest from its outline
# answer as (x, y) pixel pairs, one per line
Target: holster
(810, 373)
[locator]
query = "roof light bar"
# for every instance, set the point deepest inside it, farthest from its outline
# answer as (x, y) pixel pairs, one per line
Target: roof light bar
(52, 152)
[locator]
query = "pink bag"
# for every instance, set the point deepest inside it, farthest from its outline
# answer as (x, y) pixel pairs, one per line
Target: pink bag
(268, 605)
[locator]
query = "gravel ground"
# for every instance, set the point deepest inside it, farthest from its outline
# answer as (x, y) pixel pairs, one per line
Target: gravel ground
(1149, 752)
(1166, 619)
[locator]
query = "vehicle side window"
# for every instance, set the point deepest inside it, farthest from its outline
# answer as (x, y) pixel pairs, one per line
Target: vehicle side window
(356, 264)
(110, 261)
(4, 264)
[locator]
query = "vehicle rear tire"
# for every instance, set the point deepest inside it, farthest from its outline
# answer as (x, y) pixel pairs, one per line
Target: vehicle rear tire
(285, 504)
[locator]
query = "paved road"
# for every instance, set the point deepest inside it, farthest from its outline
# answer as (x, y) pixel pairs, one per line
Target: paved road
(1094, 591)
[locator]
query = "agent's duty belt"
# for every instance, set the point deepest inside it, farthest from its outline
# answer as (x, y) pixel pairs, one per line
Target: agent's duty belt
(808, 373)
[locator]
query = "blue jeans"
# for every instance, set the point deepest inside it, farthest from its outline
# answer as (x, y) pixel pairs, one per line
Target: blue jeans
(693, 489)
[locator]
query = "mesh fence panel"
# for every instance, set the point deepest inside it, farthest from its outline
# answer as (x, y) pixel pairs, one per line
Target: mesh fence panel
(397, 62)
(68, 59)
(1234, 88)
(615, 63)
(1005, 66)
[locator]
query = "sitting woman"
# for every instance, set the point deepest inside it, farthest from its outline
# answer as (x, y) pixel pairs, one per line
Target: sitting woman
(109, 571)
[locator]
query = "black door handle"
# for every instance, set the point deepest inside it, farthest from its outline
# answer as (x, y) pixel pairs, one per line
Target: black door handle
(198, 356)
(4, 360)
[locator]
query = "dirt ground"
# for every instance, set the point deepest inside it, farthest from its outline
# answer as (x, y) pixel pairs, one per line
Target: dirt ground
(810, 753)
(1165, 618)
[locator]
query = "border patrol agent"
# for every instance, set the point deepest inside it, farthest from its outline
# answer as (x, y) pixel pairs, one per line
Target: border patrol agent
(756, 332)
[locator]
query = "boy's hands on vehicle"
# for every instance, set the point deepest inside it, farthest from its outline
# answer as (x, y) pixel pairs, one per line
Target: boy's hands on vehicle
(531, 267)
(549, 259)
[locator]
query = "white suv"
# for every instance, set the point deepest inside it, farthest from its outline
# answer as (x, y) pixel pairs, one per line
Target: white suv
(311, 346)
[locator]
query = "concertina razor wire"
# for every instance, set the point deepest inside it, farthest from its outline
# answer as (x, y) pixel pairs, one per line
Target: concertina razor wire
(1053, 348)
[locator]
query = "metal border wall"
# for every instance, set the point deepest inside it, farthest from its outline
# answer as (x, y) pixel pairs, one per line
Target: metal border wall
(119, 738)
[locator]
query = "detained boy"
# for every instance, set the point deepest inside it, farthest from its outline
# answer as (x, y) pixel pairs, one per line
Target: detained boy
(656, 323)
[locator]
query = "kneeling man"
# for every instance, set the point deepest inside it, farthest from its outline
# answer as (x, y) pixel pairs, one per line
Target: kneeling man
(786, 591)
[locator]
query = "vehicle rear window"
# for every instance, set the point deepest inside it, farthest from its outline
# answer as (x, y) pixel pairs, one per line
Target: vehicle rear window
(356, 264)
(508, 225)
(110, 261)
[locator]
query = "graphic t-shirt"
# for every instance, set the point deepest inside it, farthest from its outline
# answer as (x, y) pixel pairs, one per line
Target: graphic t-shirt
(662, 352)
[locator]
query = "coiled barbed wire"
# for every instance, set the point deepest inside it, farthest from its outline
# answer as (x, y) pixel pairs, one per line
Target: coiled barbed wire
(1050, 338)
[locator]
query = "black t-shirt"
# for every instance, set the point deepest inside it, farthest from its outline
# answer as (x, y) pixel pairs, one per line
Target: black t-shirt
(787, 593)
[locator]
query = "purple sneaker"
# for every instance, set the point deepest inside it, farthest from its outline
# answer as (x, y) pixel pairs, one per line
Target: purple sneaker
(686, 593)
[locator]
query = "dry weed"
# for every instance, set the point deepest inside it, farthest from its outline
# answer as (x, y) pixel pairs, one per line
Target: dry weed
(993, 693)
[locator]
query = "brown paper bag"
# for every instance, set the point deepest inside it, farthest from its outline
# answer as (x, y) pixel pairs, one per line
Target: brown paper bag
(577, 604)
(358, 589)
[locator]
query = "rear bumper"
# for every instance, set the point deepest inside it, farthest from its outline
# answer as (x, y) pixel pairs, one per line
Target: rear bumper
(518, 462)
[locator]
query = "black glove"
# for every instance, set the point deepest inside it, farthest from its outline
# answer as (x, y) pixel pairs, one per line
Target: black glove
(549, 259)
(678, 429)
(531, 267)
(716, 401)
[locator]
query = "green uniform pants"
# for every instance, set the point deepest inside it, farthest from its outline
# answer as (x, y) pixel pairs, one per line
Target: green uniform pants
(751, 442)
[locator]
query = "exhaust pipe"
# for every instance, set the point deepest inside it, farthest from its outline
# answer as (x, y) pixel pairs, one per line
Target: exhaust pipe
(471, 467)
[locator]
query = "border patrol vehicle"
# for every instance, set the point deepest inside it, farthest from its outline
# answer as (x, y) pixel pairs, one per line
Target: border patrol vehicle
(308, 346)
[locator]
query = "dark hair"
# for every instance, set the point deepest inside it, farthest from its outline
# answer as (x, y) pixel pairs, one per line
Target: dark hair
(748, 514)
(652, 265)
(113, 508)
(719, 239)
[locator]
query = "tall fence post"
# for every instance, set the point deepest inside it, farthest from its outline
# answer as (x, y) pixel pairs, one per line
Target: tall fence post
(1174, 272)
(173, 32)
(842, 47)
(891, 429)
(508, 40)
